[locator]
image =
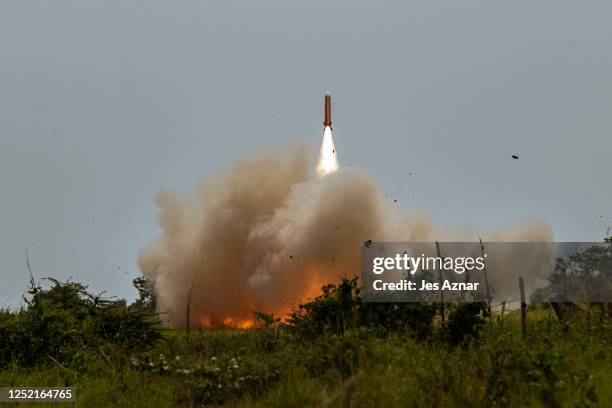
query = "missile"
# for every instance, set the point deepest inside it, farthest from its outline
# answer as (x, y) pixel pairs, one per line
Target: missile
(327, 121)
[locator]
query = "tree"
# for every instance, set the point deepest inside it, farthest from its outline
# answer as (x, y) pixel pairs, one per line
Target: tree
(146, 295)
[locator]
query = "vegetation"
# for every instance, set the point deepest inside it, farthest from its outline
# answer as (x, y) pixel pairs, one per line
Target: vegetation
(333, 351)
(65, 322)
(587, 274)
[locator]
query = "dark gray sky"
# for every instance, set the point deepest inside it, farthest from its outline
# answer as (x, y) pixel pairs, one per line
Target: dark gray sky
(103, 103)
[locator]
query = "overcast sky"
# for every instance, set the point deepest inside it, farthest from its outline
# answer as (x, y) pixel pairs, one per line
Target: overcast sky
(103, 103)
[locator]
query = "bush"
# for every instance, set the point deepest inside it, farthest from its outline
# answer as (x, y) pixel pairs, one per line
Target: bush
(464, 323)
(414, 318)
(335, 310)
(57, 322)
(340, 308)
(268, 333)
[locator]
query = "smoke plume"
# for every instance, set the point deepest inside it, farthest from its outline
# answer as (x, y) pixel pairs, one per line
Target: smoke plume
(268, 232)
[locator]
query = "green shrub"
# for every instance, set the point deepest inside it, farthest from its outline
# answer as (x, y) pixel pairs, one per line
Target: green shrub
(57, 322)
(414, 318)
(334, 311)
(464, 323)
(340, 308)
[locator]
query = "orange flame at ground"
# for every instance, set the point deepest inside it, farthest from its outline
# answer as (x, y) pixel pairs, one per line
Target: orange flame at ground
(238, 324)
(311, 291)
(228, 322)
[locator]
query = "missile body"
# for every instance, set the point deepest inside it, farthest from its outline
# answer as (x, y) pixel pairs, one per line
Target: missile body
(327, 121)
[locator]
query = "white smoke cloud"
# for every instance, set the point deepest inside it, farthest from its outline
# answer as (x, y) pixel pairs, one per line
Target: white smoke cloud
(268, 232)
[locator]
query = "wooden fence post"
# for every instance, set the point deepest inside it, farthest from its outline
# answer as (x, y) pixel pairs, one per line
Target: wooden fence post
(486, 277)
(523, 306)
(440, 281)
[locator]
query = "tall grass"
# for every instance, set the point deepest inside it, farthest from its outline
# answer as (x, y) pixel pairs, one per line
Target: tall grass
(345, 361)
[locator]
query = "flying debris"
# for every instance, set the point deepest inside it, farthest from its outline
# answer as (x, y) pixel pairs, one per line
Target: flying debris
(515, 157)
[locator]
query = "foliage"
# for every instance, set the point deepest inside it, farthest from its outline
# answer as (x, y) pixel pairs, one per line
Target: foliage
(341, 354)
(415, 319)
(214, 380)
(269, 329)
(586, 274)
(333, 311)
(146, 296)
(266, 320)
(337, 351)
(58, 322)
(541, 369)
(339, 308)
(464, 323)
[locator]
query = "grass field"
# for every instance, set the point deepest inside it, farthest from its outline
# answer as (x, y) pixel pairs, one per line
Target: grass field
(360, 367)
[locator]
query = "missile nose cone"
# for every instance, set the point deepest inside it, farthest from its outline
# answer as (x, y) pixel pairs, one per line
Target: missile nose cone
(327, 121)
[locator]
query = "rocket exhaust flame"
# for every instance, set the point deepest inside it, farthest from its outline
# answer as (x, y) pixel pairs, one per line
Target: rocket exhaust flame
(328, 158)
